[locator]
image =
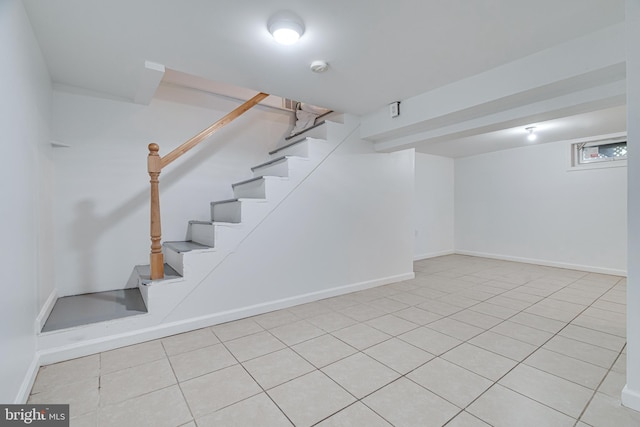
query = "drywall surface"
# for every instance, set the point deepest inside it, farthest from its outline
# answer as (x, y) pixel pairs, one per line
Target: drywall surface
(434, 206)
(350, 222)
(25, 109)
(102, 185)
(524, 204)
(631, 392)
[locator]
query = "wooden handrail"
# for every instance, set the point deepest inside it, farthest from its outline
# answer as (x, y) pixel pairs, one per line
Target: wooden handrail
(213, 128)
(155, 164)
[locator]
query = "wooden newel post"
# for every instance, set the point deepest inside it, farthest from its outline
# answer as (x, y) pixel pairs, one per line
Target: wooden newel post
(154, 167)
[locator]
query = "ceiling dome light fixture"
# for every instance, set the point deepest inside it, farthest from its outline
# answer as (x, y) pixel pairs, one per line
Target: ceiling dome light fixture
(532, 136)
(286, 27)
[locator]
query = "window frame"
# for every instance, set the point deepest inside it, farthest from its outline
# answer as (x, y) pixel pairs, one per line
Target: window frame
(577, 146)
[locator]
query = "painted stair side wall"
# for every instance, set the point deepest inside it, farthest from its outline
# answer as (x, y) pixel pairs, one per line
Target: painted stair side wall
(233, 220)
(237, 218)
(227, 235)
(256, 197)
(349, 225)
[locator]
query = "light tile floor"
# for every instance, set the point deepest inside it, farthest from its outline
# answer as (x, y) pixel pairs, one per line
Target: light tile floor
(468, 342)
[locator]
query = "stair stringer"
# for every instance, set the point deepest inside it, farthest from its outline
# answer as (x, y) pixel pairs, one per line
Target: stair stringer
(228, 233)
(218, 295)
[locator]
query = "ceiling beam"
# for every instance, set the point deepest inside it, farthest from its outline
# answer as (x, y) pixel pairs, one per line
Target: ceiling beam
(568, 77)
(148, 81)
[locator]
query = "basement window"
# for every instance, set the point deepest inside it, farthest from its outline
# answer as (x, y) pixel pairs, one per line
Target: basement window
(600, 152)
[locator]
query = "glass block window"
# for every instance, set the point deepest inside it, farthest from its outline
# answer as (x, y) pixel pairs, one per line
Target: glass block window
(600, 151)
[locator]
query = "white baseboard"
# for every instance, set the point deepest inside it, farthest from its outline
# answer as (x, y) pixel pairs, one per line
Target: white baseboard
(27, 382)
(428, 255)
(32, 370)
(105, 343)
(630, 398)
(547, 263)
(46, 310)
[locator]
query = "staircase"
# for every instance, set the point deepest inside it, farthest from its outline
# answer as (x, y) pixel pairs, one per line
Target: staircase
(209, 241)
(232, 220)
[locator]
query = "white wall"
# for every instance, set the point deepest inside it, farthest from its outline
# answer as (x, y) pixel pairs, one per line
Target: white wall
(25, 108)
(631, 392)
(102, 187)
(434, 207)
(348, 223)
(523, 204)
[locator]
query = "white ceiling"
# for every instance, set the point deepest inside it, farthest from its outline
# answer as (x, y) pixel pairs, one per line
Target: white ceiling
(379, 51)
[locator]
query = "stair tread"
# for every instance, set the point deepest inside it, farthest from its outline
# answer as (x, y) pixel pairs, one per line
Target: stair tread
(258, 178)
(185, 246)
(276, 160)
(241, 199)
(197, 221)
(307, 129)
(222, 223)
(79, 310)
(270, 162)
(291, 144)
(144, 271)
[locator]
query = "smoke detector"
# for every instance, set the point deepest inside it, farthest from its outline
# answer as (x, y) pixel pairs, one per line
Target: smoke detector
(319, 66)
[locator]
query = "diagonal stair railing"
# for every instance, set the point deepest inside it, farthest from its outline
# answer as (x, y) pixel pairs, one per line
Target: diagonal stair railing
(155, 164)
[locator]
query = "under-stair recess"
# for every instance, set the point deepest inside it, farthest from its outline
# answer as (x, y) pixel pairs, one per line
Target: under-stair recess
(209, 242)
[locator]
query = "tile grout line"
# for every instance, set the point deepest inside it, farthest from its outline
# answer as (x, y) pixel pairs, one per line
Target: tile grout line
(384, 312)
(595, 390)
(521, 362)
(253, 378)
(436, 356)
(463, 342)
(360, 400)
(100, 406)
(178, 383)
(518, 362)
(418, 326)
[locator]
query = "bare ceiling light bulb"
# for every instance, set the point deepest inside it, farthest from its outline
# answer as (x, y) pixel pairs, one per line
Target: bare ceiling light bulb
(532, 136)
(286, 27)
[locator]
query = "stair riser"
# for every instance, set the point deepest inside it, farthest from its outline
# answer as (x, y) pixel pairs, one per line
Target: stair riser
(203, 234)
(310, 148)
(227, 212)
(174, 259)
(300, 149)
(251, 190)
(245, 212)
(214, 235)
(275, 169)
(317, 132)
